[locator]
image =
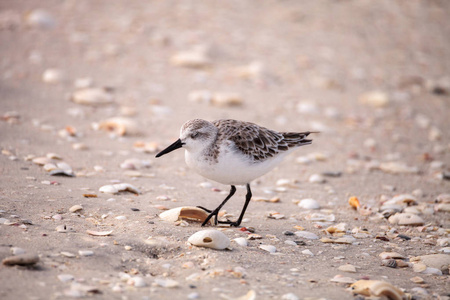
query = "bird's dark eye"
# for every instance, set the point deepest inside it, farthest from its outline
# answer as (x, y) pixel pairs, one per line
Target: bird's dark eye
(194, 135)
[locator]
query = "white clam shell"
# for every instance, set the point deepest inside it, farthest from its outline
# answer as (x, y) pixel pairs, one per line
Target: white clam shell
(309, 204)
(185, 212)
(210, 238)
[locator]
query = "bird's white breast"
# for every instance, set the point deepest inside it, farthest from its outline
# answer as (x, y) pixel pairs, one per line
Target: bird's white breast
(231, 167)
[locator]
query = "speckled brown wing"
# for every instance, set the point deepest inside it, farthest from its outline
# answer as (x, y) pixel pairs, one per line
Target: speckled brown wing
(257, 142)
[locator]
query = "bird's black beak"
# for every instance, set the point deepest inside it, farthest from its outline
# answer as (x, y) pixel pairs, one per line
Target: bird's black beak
(174, 146)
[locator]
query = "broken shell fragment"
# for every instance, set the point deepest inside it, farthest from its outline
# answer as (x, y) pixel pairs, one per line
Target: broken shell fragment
(119, 126)
(21, 260)
(119, 187)
(184, 213)
(377, 288)
(75, 208)
(268, 248)
(195, 58)
(92, 96)
(406, 219)
(210, 238)
(99, 233)
(354, 202)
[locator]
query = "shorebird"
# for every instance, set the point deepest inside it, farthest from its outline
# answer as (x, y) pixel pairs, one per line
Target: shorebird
(233, 152)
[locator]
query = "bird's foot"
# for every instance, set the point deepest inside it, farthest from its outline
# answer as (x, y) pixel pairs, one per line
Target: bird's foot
(231, 223)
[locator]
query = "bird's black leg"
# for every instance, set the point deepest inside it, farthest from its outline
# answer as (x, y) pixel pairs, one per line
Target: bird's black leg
(216, 211)
(248, 197)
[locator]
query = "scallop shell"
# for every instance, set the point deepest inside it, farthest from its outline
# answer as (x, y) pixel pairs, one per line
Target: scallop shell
(377, 288)
(210, 238)
(185, 212)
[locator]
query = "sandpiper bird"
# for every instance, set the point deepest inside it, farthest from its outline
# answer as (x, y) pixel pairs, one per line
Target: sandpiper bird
(233, 152)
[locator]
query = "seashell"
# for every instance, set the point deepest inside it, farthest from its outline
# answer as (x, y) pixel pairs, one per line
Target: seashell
(417, 279)
(41, 161)
(309, 204)
(398, 168)
(268, 248)
(137, 281)
(86, 252)
(21, 260)
(108, 189)
(354, 202)
(134, 164)
(119, 187)
(443, 198)
(336, 228)
(67, 254)
(306, 235)
(60, 172)
(377, 288)
(375, 99)
(241, 241)
(251, 295)
(52, 76)
(184, 213)
(210, 238)
(167, 283)
(445, 207)
(195, 58)
(316, 178)
(61, 228)
(341, 279)
(65, 277)
(419, 267)
(406, 219)
(99, 233)
(92, 96)
(119, 126)
(53, 156)
(226, 99)
(75, 208)
(49, 167)
(402, 199)
(318, 217)
(388, 255)
(17, 251)
(437, 261)
(307, 252)
(347, 268)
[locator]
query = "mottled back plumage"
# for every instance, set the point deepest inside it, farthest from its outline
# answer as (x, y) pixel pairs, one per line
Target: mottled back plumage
(257, 142)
